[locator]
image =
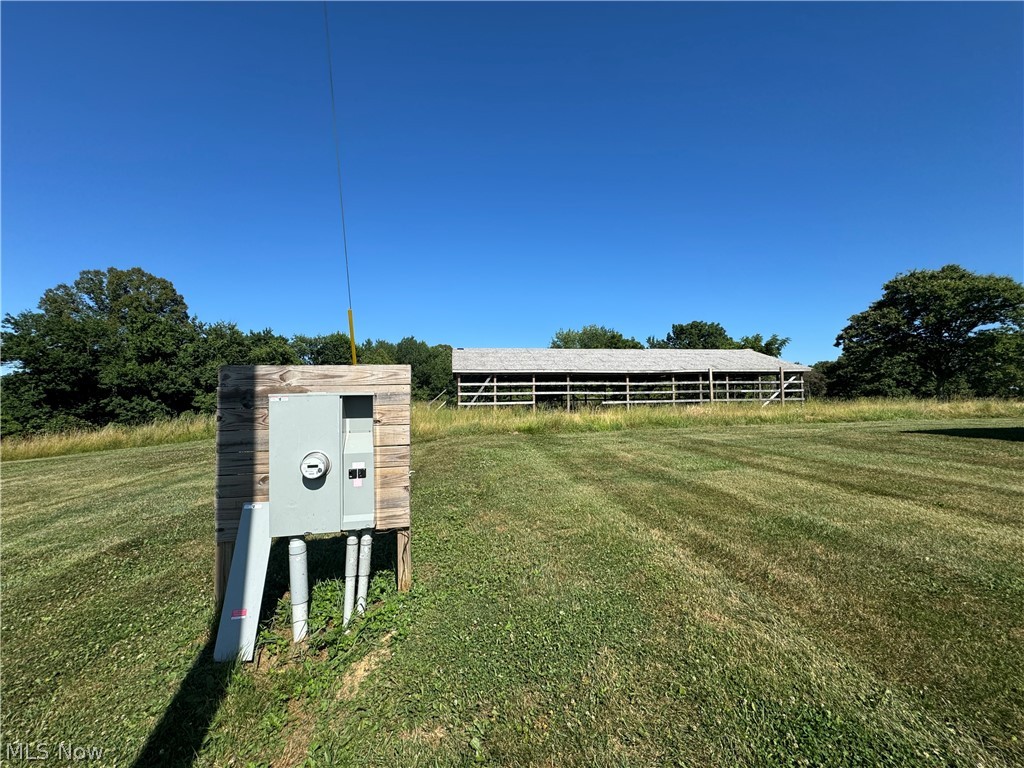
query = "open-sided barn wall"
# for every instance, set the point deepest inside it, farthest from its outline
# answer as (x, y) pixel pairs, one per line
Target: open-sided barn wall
(573, 378)
(243, 442)
(572, 390)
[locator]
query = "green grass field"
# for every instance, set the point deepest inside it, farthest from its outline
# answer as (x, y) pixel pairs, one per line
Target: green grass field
(749, 594)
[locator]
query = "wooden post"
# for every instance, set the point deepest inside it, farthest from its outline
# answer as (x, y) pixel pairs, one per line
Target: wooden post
(568, 392)
(403, 568)
(673, 389)
(458, 391)
(534, 393)
(782, 385)
(627, 393)
(711, 384)
(495, 392)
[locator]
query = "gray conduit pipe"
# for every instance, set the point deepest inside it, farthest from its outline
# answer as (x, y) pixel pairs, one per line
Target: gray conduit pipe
(298, 581)
(351, 553)
(365, 545)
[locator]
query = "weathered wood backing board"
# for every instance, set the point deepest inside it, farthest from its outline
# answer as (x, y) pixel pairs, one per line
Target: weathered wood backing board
(258, 438)
(243, 433)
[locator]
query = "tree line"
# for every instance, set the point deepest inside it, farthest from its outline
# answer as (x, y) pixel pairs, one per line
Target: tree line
(696, 334)
(945, 333)
(119, 346)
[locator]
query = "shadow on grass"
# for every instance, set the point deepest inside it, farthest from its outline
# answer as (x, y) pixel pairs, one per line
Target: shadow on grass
(179, 736)
(1013, 434)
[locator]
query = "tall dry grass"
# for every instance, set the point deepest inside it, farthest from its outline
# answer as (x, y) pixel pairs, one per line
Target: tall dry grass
(431, 423)
(180, 430)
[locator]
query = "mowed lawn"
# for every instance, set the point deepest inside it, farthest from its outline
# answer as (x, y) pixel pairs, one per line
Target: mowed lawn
(802, 594)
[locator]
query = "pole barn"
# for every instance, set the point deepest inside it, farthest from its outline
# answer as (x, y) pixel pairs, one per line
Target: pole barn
(570, 378)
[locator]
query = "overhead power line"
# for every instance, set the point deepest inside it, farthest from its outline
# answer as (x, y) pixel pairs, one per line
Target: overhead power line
(341, 196)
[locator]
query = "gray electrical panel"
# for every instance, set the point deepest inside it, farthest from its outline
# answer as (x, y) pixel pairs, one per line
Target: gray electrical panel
(359, 502)
(321, 463)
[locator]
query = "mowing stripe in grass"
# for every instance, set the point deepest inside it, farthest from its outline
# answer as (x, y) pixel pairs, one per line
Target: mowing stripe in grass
(621, 598)
(105, 593)
(591, 631)
(918, 620)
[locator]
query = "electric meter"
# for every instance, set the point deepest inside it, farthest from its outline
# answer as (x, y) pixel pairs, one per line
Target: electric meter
(315, 465)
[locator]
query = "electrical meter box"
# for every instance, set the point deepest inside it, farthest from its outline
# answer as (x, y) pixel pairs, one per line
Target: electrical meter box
(321, 463)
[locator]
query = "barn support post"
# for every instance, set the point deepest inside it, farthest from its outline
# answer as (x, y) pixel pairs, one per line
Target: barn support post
(628, 404)
(782, 385)
(673, 389)
(568, 392)
(711, 384)
(534, 393)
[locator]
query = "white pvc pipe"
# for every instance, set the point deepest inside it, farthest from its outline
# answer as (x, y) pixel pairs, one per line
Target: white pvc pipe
(365, 545)
(298, 580)
(351, 553)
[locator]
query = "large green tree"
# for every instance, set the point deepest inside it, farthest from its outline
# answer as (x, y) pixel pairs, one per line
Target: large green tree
(222, 343)
(328, 349)
(431, 365)
(593, 337)
(698, 334)
(773, 345)
(105, 348)
(379, 352)
(942, 332)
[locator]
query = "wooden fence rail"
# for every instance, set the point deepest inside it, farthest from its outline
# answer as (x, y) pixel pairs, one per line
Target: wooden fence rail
(494, 390)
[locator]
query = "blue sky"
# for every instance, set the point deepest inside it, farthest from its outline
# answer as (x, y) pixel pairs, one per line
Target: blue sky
(514, 168)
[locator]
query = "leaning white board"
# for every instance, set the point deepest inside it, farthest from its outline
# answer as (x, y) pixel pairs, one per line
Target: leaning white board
(240, 616)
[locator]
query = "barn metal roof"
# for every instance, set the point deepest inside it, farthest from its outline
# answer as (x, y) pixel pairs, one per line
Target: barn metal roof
(496, 360)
